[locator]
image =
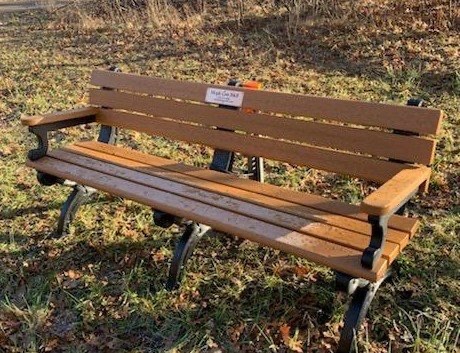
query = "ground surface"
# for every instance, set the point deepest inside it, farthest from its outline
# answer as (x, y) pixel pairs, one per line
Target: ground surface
(101, 288)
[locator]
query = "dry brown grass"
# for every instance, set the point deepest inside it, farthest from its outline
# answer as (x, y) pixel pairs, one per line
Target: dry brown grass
(294, 15)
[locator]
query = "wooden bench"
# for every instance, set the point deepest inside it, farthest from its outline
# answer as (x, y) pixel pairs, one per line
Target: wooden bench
(370, 141)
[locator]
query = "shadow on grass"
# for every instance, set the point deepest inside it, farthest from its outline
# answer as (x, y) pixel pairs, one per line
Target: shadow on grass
(12, 238)
(318, 47)
(12, 213)
(155, 318)
(130, 271)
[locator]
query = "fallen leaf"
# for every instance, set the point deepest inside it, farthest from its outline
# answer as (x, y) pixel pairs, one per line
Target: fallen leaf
(73, 274)
(301, 271)
(284, 330)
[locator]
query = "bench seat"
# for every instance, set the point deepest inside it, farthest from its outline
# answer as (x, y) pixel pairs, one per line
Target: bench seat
(328, 232)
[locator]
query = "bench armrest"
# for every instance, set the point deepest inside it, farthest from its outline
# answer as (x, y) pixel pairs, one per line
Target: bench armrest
(383, 203)
(40, 125)
(387, 199)
(52, 118)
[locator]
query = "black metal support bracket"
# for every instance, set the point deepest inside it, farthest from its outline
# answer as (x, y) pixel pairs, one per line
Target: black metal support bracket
(48, 179)
(413, 102)
(80, 193)
(109, 134)
(379, 227)
(184, 248)
(362, 293)
(380, 223)
(373, 252)
(256, 169)
(77, 197)
(222, 161)
(41, 132)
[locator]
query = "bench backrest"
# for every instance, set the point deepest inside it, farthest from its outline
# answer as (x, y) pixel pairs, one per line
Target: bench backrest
(346, 137)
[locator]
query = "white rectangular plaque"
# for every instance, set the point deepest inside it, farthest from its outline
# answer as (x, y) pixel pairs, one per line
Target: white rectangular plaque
(224, 97)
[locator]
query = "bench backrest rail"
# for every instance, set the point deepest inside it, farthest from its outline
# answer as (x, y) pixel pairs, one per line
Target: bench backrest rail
(341, 136)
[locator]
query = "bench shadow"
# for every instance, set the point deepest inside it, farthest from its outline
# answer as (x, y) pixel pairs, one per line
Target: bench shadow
(121, 261)
(257, 307)
(14, 238)
(12, 213)
(305, 306)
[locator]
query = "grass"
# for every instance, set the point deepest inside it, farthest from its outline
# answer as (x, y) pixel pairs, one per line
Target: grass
(101, 288)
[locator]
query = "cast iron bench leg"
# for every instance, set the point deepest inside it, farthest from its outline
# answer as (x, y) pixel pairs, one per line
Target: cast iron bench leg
(222, 161)
(362, 293)
(184, 248)
(77, 197)
(80, 193)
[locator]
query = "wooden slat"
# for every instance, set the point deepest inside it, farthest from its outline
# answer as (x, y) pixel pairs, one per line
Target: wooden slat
(319, 230)
(343, 163)
(58, 116)
(319, 205)
(387, 198)
(335, 256)
(397, 237)
(377, 143)
(413, 119)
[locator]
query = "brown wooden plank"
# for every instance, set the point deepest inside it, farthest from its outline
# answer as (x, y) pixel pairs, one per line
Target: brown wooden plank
(414, 119)
(59, 116)
(386, 198)
(335, 256)
(378, 143)
(398, 237)
(312, 201)
(139, 175)
(354, 165)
